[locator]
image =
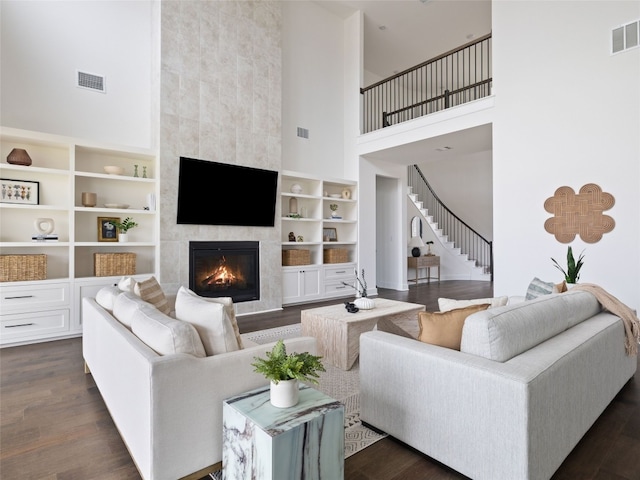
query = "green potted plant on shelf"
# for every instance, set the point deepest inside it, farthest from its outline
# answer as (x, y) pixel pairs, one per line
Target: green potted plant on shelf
(123, 227)
(572, 274)
(285, 371)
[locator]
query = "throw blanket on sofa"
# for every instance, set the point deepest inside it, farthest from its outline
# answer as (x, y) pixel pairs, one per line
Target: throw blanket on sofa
(615, 306)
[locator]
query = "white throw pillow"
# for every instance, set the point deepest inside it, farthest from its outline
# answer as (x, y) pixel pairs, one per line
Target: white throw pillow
(210, 320)
(126, 284)
(125, 305)
(106, 296)
(447, 304)
(164, 334)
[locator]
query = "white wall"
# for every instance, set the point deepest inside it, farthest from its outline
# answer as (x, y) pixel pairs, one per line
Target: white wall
(566, 113)
(464, 184)
(313, 52)
(45, 42)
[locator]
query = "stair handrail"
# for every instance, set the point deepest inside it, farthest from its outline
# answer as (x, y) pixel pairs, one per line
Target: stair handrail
(441, 204)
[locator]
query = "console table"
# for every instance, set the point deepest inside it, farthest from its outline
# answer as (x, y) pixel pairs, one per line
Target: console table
(269, 443)
(426, 261)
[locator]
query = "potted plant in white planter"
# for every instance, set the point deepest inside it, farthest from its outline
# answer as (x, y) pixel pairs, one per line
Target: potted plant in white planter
(123, 227)
(285, 371)
(362, 302)
(572, 274)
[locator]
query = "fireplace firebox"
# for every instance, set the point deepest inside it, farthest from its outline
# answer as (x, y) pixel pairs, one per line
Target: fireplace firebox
(225, 269)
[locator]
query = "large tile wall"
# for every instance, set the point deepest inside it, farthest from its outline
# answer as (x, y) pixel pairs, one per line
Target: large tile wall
(220, 100)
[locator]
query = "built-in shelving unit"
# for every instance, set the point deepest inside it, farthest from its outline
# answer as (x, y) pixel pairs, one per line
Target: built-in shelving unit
(307, 215)
(64, 168)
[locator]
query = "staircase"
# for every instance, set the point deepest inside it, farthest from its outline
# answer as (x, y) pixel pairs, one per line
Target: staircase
(464, 252)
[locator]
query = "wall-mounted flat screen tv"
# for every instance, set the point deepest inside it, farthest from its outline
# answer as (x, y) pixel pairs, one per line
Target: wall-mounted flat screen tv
(213, 193)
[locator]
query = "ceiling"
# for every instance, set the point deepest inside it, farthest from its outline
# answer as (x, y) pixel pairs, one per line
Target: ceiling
(416, 31)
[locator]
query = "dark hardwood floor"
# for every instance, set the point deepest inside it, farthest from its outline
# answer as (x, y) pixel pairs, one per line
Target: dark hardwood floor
(55, 426)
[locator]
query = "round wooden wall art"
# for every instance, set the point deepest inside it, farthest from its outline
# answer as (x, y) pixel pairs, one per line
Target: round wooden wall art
(579, 214)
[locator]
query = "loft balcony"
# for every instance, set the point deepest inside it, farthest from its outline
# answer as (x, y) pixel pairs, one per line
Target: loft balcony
(453, 78)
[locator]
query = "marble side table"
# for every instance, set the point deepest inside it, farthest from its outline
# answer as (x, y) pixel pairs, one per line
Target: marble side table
(303, 442)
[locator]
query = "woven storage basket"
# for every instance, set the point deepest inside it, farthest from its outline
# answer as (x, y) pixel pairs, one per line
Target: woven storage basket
(108, 264)
(295, 257)
(336, 255)
(16, 268)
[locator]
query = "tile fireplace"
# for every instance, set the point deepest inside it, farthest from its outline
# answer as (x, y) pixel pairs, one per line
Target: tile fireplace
(225, 269)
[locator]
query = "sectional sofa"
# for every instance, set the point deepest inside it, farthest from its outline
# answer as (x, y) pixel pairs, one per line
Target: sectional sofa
(167, 406)
(527, 383)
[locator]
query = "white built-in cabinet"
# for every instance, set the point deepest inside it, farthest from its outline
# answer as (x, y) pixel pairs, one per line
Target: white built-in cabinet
(63, 168)
(318, 279)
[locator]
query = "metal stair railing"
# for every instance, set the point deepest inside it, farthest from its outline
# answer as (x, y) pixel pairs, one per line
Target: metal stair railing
(470, 242)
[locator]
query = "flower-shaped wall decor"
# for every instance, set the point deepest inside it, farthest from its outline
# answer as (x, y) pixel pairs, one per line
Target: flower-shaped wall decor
(579, 214)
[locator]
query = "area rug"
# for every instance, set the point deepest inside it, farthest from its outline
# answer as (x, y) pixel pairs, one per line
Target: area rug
(336, 383)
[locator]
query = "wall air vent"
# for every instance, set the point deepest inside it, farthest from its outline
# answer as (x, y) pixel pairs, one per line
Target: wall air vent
(91, 81)
(625, 37)
(303, 132)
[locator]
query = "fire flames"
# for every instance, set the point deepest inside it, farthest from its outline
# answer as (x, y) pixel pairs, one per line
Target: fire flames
(222, 276)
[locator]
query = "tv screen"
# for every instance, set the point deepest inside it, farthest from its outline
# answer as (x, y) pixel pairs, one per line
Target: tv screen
(213, 193)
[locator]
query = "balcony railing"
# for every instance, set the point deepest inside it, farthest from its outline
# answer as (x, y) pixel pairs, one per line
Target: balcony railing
(453, 78)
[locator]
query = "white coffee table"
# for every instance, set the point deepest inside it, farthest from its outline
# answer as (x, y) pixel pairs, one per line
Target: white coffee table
(338, 331)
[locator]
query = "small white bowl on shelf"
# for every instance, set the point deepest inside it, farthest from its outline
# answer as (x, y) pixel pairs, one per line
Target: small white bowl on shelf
(113, 170)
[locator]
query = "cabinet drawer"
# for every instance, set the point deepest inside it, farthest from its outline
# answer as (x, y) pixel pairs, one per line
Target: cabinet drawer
(343, 272)
(33, 325)
(33, 297)
(337, 288)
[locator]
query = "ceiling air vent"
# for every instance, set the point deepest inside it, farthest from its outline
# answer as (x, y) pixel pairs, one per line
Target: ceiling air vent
(91, 81)
(303, 132)
(625, 37)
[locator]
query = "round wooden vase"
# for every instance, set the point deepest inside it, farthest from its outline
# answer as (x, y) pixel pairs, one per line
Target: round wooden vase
(19, 156)
(285, 393)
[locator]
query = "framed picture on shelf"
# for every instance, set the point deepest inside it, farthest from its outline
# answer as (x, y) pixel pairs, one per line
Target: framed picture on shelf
(329, 235)
(23, 192)
(107, 231)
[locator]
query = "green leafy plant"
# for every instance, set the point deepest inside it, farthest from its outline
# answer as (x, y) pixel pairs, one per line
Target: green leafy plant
(572, 274)
(279, 366)
(125, 225)
(333, 207)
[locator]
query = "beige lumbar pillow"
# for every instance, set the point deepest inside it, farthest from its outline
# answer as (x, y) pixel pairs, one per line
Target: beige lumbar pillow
(210, 319)
(446, 304)
(150, 291)
(445, 328)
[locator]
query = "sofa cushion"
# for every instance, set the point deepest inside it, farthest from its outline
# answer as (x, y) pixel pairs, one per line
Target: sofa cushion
(502, 333)
(106, 296)
(445, 328)
(151, 291)
(126, 284)
(125, 305)
(446, 304)
(209, 318)
(228, 308)
(164, 334)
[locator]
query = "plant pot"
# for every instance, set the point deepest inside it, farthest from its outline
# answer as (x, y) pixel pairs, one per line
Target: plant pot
(123, 237)
(364, 303)
(285, 393)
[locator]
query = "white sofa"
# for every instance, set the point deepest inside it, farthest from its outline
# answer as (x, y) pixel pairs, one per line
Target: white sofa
(168, 408)
(528, 382)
